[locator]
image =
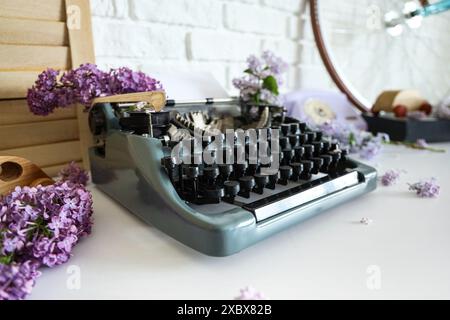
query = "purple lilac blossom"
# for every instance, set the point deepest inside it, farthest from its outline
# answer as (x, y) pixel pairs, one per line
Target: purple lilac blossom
(251, 85)
(17, 279)
(421, 143)
(390, 178)
(426, 189)
(43, 223)
(249, 293)
(82, 85)
(74, 173)
(355, 140)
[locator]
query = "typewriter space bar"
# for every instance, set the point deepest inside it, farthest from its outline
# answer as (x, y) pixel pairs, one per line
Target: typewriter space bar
(299, 195)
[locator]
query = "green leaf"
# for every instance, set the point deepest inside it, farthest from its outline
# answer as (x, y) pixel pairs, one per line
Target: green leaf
(6, 259)
(270, 83)
(249, 71)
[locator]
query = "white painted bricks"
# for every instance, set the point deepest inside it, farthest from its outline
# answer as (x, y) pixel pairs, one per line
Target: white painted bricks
(206, 35)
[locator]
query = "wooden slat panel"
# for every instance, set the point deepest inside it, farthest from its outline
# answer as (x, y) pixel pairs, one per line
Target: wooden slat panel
(53, 10)
(82, 51)
(31, 134)
(37, 58)
(14, 85)
(54, 170)
(48, 154)
(36, 32)
(17, 111)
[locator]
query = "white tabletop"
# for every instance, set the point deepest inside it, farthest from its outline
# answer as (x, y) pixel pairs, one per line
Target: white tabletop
(404, 253)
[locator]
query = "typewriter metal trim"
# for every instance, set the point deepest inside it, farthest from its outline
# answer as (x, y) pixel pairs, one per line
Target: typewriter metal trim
(129, 171)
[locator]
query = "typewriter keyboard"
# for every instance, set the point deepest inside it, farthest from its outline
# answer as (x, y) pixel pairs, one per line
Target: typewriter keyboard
(264, 167)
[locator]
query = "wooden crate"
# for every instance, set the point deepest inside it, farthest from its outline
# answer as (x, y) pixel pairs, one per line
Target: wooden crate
(34, 35)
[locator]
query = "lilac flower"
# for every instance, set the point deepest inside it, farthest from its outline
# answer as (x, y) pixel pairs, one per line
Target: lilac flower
(249, 293)
(74, 173)
(82, 85)
(43, 95)
(390, 178)
(17, 279)
(276, 65)
(63, 216)
(421, 143)
(125, 80)
(262, 79)
(355, 140)
(426, 189)
(365, 221)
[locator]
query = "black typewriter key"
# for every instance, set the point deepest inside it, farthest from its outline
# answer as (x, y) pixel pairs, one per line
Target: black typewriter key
(288, 154)
(294, 128)
(211, 173)
(311, 136)
(285, 129)
(307, 167)
(319, 135)
(318, 145)
(285, 174)
(232, 189)
(302, 126)
(334, 146)
(297, 169)
(213, 195)
(294, 140)
(317, 164)
(240, 169)
(309, 151)
(299, 151)
(335, 156)
(303, 138)
(261, 180)
(189, 183)
(326, 145)
(273, 179)
(326, 162)
(225, 171)
(284, 143)
(247, 183)
(253, 167)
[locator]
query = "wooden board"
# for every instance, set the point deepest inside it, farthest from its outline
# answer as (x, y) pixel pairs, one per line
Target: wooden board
(35, 32)
(17, 112)
(31, 134)
(48, 154)
(14, 84)
(36, 58)
(82, 51)
(33, 9)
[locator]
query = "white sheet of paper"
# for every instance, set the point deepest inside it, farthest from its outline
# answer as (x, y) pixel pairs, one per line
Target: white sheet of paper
(185, 85)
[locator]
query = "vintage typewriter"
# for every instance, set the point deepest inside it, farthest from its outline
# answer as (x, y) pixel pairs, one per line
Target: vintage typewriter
(216, 175)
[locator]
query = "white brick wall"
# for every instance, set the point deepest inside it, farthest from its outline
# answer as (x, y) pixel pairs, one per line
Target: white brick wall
(206, 35)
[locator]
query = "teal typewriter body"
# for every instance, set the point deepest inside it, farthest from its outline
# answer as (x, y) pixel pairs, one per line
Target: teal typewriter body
(234, 199)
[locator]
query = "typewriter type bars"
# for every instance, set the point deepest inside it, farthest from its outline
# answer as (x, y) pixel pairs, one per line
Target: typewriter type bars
(219, 177)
